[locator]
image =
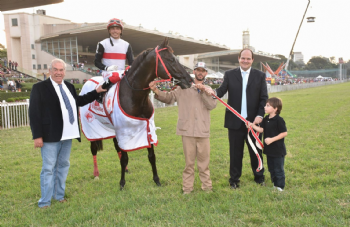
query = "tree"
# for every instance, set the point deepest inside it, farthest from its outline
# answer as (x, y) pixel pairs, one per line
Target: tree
(3, 51)
(332, 59)
(319, 62)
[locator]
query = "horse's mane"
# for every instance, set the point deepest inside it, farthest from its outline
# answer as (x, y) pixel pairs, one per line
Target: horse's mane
(139, 58)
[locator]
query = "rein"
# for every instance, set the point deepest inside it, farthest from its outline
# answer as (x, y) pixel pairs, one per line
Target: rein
(250, 129)
(158, 57)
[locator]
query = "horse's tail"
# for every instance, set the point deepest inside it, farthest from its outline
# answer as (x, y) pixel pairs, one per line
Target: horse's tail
(97, 145)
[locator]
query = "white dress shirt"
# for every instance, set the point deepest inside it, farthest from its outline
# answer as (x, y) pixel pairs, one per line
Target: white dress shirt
(248, 72)
(70, 131)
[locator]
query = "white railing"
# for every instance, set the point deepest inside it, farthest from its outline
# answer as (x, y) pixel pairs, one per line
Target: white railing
(290, 87)
(14, 114)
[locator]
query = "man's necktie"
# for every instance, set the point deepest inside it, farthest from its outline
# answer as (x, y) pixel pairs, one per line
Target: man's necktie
(67, 103)
(244, 95)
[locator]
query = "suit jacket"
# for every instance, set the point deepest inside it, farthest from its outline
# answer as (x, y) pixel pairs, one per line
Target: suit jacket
(256, 95)
(45, 113)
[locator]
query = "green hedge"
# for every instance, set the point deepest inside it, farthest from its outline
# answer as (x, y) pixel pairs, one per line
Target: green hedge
(214, 86)
(6, 95)
(18, 99)
(78, 86)
(27, 86)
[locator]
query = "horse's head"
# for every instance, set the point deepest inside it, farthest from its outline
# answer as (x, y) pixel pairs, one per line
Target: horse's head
(172, 65)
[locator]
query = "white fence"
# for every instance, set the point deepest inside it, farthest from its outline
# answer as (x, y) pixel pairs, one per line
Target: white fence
(289, 87)
(14, 114)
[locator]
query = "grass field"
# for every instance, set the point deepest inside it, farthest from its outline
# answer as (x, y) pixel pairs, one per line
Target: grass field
(317, 189)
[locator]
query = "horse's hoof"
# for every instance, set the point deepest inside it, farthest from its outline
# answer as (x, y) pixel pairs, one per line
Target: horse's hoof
(121, 188)
(158, 184)
(96, 178)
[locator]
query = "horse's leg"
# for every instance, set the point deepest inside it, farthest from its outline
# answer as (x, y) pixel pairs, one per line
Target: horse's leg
(152, 160)
(119, 152)
(124, 159)
(123, 162)
(95, 146)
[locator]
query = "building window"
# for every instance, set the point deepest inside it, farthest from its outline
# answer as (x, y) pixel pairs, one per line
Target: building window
(39, 66)
(34, 66)
(45, 66)
(33, 56)
(14, 22)
(33, 46)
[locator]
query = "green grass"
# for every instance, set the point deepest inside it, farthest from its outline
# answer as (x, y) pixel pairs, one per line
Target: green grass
(317, 189)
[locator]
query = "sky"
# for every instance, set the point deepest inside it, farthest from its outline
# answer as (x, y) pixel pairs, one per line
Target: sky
(273, 24)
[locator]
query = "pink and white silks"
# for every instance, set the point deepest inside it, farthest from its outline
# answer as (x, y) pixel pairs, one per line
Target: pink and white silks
(109, 120)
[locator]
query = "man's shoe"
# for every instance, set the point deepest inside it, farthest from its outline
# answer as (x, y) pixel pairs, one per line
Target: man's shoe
(261, 183)
(207, 190)
(234, 186)
(63, 201)
(279, 189)
(44, 207)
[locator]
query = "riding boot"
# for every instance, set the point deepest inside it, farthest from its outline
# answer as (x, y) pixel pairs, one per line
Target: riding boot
(106, 85)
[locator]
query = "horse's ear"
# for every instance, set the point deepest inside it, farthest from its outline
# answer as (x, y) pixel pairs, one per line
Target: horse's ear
(165, 42)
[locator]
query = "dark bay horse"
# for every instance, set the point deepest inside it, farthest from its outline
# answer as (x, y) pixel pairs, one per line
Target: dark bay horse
(134, 96)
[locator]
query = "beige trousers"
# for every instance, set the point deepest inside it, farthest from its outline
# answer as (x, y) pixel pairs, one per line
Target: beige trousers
(196, 147)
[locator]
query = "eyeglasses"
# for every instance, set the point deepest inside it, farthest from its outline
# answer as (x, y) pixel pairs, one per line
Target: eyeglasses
(117, 21)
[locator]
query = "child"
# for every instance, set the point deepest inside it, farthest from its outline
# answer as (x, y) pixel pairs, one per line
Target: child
(274, 129)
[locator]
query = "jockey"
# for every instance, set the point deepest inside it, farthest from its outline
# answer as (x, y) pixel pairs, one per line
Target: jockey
(111, 54)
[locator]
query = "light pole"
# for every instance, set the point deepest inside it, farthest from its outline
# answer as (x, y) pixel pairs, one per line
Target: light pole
(309, 19)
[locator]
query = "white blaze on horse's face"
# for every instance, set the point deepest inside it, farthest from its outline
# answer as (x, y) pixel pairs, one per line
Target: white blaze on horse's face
(58, 72)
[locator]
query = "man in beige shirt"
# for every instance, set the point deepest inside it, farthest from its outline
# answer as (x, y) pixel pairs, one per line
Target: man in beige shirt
(193, 125)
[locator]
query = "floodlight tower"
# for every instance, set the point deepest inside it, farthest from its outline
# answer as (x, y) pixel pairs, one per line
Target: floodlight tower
(309, 20)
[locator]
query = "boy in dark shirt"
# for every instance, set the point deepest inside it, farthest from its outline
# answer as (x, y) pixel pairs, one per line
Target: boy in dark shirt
(274, 129)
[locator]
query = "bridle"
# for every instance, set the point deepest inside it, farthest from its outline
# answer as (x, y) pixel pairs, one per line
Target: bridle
(158, 58)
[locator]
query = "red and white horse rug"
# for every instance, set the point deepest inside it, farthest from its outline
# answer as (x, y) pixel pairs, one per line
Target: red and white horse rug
(108, 120)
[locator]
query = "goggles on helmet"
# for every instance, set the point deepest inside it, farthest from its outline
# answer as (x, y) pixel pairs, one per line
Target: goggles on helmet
(114, 22)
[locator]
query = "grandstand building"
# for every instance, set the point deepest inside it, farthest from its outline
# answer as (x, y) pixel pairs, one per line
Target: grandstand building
(33, 40)
(220, 61)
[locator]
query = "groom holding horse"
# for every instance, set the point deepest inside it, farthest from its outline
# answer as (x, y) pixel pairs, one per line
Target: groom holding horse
(193, 125)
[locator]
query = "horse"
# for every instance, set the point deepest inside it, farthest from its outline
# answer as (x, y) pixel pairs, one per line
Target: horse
(133, 95)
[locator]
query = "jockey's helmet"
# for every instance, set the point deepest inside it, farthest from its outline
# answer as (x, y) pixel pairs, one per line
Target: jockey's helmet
(114, 22)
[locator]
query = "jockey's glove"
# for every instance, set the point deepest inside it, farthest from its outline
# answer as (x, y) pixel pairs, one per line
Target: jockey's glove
(112, 68)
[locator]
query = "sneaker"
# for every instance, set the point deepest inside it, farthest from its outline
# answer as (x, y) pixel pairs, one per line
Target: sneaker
(279, 189)
(234, 185)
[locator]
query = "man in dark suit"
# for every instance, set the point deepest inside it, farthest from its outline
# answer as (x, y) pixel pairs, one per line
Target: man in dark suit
(53, 114)
(247, 94)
